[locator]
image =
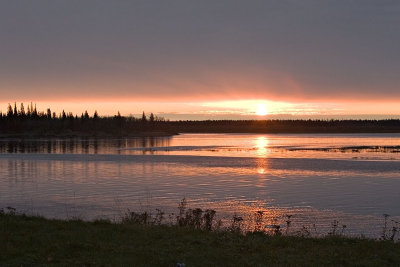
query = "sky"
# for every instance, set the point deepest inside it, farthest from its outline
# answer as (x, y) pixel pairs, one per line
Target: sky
(203, 59)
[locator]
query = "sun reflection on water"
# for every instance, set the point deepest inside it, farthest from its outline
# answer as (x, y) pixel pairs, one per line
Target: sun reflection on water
(262, 145)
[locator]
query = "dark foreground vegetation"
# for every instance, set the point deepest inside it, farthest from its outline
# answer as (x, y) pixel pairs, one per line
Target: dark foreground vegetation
(32, 123)
(135, 241)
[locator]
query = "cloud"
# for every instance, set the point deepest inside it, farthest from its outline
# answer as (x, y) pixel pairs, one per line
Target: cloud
(278, 50)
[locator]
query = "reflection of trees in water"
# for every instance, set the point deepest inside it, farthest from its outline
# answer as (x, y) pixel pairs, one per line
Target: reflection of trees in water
(49, 146)
(84, 146)
(149, 142)
(64, 147)
(95, 146)
(71, 145)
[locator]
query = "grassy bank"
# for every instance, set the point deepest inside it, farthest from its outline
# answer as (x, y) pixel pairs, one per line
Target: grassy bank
(27, 241)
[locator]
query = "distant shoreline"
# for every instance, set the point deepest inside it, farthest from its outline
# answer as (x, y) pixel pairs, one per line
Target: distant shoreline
(124, 127)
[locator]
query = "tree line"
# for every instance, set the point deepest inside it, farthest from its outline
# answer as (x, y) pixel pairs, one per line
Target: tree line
(13, 112)
(31, 122)
(288, 126)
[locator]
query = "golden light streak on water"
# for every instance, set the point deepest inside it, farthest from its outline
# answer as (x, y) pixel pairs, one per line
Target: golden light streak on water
(261, 144)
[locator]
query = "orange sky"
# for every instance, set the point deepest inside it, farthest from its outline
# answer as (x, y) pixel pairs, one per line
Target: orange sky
(239, 109)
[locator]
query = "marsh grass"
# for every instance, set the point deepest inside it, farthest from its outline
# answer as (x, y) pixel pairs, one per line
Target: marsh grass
(257, 222)
(145, 241)
(392, 233)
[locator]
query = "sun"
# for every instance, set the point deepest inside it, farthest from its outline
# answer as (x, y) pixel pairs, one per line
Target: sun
(262, 109)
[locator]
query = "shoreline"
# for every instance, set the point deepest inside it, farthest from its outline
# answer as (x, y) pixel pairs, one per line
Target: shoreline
(84, 136)
(121, 127)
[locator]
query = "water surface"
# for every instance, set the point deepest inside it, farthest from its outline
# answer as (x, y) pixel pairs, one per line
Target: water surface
(352, 178)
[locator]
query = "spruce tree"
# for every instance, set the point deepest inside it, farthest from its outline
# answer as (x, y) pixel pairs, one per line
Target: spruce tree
(9, 111)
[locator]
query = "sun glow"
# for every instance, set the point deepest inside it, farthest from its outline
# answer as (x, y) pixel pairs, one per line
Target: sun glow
(262, 109)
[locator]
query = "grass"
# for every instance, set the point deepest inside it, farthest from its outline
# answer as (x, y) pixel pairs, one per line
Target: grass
(30, 240)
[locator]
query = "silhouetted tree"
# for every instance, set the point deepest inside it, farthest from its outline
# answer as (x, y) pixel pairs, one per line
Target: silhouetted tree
(95, 115)
(28, 113)
(22, 111)
(34, 112)
(151, 118)
(144, 118)
(9, 111)
(118, 116)
(15, 109)
(48, 113)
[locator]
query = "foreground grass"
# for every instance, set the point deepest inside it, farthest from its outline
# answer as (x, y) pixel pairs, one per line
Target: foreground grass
(27, 241)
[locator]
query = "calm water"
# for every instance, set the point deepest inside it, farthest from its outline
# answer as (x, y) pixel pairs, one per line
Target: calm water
(316, 178)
